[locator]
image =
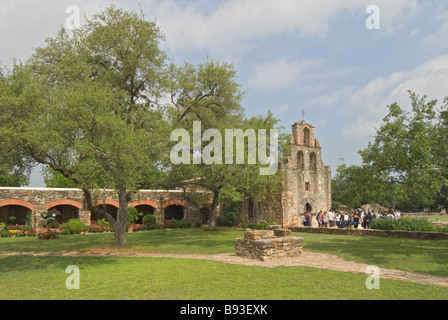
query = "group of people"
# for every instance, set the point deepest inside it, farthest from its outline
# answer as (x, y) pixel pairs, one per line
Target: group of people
(344, 219)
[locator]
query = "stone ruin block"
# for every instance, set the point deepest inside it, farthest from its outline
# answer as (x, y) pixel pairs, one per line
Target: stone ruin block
(255, 246)
(282, 232)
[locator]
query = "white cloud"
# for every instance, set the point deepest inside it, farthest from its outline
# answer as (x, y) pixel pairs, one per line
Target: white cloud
(439, 39)
(280, 74)
(223, 28)
(25, 24)
(370, 101)
(234, 25)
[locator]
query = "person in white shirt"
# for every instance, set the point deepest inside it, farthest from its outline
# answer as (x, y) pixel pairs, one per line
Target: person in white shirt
(331, 218)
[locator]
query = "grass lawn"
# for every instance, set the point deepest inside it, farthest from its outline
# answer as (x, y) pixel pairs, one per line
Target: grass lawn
(43, 277)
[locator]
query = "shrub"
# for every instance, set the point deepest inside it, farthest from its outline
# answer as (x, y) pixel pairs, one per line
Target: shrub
(4, 233)
(405, 224)
(75, 226)
(149, 218)
(258, 225)
(227, 219)
(169, 223)
(132, 215)
(183, 223)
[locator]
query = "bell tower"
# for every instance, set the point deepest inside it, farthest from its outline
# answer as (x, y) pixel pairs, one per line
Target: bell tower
(308, 180)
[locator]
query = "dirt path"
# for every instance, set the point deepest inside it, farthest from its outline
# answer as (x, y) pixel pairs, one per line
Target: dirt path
(307, 259)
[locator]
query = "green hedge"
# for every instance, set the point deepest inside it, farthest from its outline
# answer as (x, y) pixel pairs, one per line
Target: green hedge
(405, 224)
(258, 225)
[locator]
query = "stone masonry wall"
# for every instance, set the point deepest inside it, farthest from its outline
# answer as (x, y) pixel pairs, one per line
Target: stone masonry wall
(258, 247)
(40, 200)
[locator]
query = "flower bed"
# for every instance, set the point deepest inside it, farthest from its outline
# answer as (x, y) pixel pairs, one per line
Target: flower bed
(100, 226)
(47, 234)
(16, 230)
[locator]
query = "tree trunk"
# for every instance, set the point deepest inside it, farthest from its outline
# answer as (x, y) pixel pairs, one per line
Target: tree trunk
(212, 217)
(120, 231)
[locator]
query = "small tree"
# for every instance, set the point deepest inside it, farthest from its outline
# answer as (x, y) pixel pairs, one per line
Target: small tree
(86, 106)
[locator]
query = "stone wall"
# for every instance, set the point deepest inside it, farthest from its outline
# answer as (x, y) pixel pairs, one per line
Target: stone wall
(258, 247)
(39, 200)
(375, 233)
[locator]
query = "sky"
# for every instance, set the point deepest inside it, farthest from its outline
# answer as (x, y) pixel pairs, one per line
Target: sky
(341, 62)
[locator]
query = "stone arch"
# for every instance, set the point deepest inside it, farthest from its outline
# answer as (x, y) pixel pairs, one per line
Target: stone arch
(308, 208)
(16, 202)
(111, 208)
(300, 160)
(303, 205)
(69, 209)
(175, 202)
(306, 136)
(144, 202)
(313, 161)
(108, 202)
(17, 208)
(174, 209)
(63, 202)
(145, 207)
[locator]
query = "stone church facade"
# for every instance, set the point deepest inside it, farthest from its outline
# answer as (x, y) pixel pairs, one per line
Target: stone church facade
(307, 185)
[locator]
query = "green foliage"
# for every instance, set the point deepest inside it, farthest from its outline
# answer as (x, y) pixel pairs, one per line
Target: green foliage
(76, 226)
(404, 223)
(4, 233)
(149, 218)
(230, 215)
(55, 179)
(258, 225)
(182, 223)
(227, 219)
(405, 166)
(132, 215)
(13, 180)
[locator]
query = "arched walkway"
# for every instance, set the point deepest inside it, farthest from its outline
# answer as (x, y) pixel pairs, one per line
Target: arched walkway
(68, 209)
(15, 208)
(111, 207)
(174, 212)
(204, 214)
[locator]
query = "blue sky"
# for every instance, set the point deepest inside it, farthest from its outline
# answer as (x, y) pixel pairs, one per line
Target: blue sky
(291, 55)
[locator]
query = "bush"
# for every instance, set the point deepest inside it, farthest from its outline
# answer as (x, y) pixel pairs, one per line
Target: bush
(132, 215)
(227, 219)
(258, 225)
(75, 226)
(183, 223)
(149, 218)
(405, 224)
(4, 233)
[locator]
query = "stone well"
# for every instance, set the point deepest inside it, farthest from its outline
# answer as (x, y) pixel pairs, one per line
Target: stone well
(258, 247)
